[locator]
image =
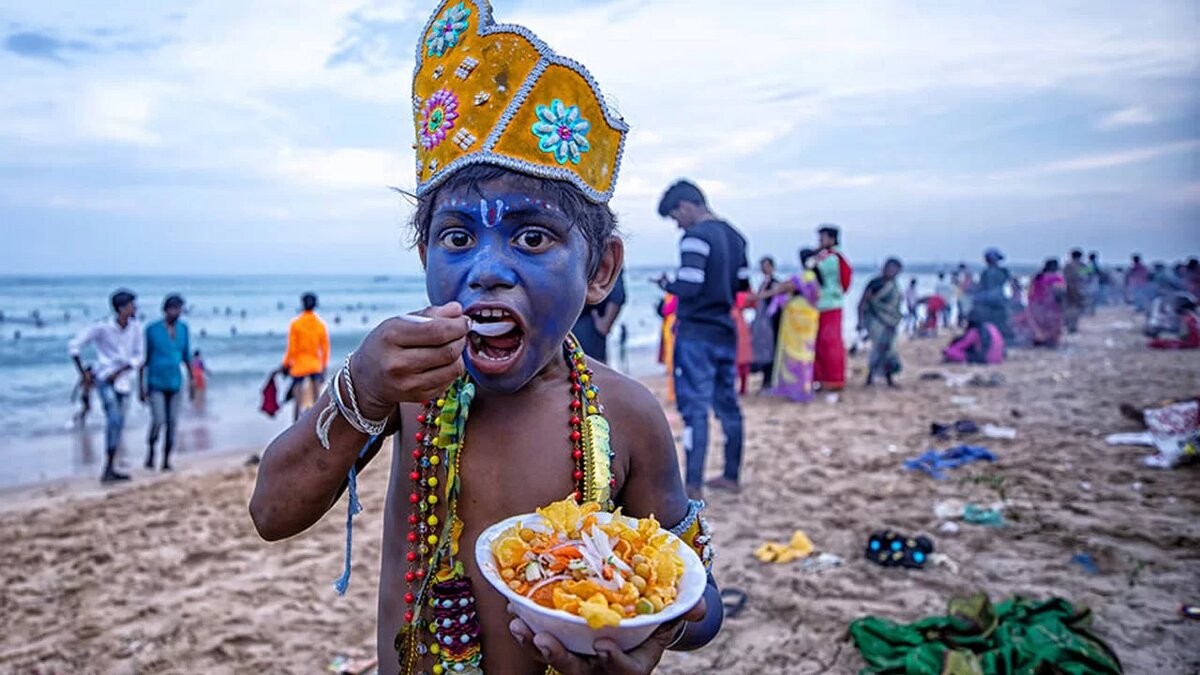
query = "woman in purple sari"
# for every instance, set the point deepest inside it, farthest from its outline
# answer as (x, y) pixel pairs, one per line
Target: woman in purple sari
(796, 346)
(1045, 305)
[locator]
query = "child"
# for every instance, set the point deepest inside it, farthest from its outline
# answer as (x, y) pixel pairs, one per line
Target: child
(518, 234)
(199, 381)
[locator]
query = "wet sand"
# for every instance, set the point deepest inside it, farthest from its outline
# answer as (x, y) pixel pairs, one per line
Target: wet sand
(167, 574)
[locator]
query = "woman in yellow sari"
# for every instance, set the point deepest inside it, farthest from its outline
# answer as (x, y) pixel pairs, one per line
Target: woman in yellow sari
(796, 347)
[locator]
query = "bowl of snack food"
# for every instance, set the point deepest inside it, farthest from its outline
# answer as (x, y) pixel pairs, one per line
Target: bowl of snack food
(581, 574)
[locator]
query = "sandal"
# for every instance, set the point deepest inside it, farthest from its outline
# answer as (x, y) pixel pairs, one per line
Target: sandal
(733, 601)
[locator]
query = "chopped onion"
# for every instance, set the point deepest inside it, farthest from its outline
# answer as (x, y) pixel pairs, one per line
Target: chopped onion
(543, 582)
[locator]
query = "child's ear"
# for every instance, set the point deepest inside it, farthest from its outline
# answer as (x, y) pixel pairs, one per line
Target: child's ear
(612, 260)
(421, 250)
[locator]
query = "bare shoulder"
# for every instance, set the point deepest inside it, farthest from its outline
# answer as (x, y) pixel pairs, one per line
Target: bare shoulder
(634, 412)
(647, 466)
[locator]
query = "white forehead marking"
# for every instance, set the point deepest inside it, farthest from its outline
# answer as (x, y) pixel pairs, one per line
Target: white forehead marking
(491, 218)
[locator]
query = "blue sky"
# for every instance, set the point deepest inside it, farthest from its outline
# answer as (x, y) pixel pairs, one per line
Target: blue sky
(223, 136)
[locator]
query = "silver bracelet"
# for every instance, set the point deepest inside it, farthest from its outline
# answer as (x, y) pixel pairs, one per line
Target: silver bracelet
(356, 419)
(351, 414)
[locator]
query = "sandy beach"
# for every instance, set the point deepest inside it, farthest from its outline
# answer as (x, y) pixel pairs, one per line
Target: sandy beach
(167, 575)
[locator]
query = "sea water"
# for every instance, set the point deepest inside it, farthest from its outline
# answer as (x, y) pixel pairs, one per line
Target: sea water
(239, 323)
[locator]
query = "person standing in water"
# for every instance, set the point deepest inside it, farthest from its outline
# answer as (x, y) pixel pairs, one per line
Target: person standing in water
(168, 350)
(119, 355)
(307, 355)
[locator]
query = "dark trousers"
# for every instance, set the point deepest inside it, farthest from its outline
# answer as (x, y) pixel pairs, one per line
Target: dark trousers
(705, 375)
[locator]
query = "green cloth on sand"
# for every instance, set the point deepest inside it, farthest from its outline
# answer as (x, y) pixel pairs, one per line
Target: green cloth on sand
(1015, 637)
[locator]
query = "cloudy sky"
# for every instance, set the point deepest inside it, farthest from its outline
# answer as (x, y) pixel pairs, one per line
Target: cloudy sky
(227, 136)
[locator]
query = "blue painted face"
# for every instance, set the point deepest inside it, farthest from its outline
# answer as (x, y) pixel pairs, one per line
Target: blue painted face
(505, 254)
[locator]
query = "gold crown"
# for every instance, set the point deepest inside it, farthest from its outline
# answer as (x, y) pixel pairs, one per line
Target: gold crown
(496, 94)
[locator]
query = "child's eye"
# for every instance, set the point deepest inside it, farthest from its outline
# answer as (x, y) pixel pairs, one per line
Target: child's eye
(534, 240)
(456, 240)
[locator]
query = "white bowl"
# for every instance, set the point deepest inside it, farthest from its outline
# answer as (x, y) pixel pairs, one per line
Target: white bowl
(573, 631)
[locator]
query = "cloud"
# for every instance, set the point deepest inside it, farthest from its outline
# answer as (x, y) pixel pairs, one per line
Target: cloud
(1108, 160)
(862, 113)
(1134, 116)
(341, 168)
(34, 45)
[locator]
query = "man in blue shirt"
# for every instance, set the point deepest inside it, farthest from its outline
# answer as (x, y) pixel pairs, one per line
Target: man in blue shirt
(167, 351)
(713, 268)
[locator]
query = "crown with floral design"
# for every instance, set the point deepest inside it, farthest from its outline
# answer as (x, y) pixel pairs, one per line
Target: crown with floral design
(495, 94)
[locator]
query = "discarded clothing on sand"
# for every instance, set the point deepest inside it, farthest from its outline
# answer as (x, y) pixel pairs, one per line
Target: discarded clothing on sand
(961, 427)
(934, 462)
(1086, 562)
(1143, 438)
(999, 432)
(772, 551)
(1176, 432)
(978, 515)
(977, 638)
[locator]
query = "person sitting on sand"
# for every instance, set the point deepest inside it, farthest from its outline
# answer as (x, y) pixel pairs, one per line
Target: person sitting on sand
(982, 343)
(119, 352)
(519, 235)
(879, 315)
(1188, 334)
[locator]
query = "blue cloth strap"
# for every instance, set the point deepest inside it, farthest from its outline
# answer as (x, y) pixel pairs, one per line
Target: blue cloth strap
(354, 508)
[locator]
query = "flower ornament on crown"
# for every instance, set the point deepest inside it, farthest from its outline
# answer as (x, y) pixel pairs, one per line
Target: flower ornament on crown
(487, 93)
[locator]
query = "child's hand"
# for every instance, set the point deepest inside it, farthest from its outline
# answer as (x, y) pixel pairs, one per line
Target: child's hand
(609, 658)
(404, 362)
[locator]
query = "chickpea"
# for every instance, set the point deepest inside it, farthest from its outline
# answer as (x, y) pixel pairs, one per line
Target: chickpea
(515, 585)
(642, 570)
(639, 583)
(526, 534)
(507, 574)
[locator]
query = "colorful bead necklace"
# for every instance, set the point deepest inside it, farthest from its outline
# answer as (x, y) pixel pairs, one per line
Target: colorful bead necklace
(435, 576)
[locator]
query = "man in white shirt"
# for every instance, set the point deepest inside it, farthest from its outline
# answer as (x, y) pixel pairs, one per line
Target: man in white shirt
(119, 354)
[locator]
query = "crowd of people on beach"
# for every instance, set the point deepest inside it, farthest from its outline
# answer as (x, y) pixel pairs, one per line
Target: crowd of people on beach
(795, 335)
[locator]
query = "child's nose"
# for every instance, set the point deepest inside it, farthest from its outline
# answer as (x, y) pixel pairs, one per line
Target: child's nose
(492, 271)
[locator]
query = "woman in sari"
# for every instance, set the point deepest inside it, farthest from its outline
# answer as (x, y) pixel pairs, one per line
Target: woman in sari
(792, 376)
(764, 329)
(879, 315)
(1045, 305)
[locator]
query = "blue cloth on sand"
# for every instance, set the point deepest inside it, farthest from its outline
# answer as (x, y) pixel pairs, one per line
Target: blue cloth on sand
(934, 462)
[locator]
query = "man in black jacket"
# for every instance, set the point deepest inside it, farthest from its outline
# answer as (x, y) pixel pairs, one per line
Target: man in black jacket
(713, 268)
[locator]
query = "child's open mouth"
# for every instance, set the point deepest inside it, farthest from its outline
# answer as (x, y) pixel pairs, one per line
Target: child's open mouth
(496, 343)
